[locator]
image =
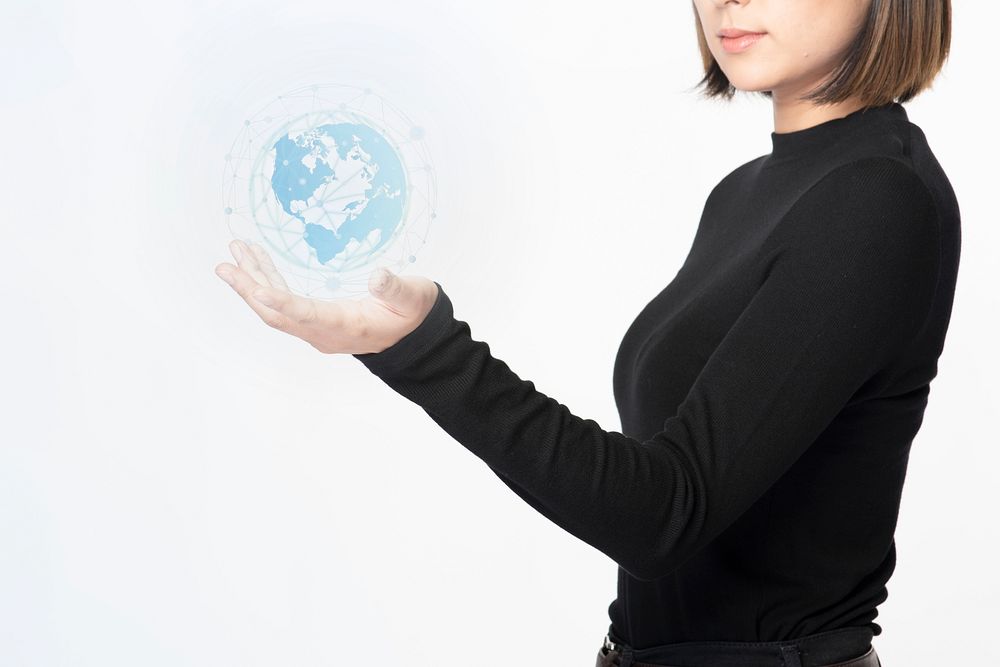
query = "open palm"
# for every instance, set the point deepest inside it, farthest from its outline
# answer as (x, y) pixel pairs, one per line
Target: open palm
(397, 305)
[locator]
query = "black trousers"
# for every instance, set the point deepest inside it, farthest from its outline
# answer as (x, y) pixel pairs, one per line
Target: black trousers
(847, 647)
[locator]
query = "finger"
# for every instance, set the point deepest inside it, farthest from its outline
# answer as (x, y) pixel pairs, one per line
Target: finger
(225, 271)
(393, 291)
(247, 261)
(267, 267)
(245, 286)
(294, 307)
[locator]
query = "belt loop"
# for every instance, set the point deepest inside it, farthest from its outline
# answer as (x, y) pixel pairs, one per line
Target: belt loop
(790, 656)
(627, 657)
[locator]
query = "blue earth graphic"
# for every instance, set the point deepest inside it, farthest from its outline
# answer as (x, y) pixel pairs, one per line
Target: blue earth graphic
(343, 181)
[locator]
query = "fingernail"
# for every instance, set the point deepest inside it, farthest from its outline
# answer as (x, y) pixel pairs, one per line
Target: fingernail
(237, 253)
(382, 280)
(225, 274)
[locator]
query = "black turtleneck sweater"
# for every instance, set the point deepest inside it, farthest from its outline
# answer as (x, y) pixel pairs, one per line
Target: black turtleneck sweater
(768, 395)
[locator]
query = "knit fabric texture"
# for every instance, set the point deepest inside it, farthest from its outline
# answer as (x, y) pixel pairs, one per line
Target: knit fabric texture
(768, 395)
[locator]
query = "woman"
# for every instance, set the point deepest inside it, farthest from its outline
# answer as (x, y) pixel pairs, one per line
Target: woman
(768, 394)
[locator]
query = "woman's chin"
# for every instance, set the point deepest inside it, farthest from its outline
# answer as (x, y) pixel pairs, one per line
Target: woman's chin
(750, 85)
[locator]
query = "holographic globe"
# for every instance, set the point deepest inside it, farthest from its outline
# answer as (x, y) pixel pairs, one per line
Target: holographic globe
(333, 182)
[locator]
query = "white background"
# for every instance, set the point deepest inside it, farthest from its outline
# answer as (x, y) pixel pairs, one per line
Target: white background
(182, 485)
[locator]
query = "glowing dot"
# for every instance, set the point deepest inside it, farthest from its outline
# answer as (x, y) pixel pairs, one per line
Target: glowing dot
(302, 181)
(228, 210)
(416, 132)
(284, 162)
(434, 215)
(412, 259)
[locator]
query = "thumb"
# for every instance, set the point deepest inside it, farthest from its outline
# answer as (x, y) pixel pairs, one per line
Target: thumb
(389, 288)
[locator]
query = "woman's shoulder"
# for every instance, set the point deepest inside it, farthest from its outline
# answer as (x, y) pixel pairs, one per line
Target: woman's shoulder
(872, 199)
(877, 179)
(895, 154)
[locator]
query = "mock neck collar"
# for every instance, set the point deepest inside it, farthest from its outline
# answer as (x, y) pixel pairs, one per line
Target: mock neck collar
(786, 145)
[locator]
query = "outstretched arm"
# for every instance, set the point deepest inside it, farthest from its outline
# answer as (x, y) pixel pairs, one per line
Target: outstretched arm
(852, 285)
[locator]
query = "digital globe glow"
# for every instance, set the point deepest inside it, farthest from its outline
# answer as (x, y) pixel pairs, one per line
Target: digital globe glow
(333, 183)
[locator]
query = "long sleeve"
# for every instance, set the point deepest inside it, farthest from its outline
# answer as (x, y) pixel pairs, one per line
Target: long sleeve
(848, 286)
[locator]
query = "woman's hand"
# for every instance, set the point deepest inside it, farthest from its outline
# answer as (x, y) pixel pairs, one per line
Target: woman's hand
(397, 306)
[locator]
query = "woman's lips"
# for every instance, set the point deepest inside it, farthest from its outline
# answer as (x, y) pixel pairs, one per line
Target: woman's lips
(741, 43)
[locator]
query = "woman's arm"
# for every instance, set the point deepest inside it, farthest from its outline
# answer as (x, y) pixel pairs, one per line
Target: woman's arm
(850, 288)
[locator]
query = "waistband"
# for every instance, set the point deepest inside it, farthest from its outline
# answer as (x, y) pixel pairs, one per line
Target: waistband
(815, 650)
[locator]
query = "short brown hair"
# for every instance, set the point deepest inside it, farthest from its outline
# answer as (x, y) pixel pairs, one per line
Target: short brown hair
(898, 52)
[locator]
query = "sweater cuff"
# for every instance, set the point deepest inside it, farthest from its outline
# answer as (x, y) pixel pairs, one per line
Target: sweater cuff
(415, 344)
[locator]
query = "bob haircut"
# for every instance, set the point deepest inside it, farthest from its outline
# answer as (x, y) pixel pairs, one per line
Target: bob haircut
(898, 52)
